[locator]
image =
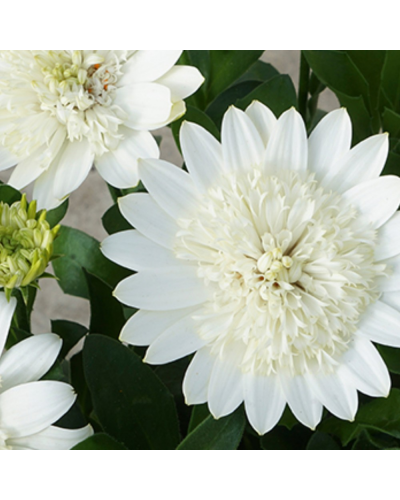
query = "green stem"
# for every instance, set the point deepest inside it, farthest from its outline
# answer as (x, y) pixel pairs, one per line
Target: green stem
(303, 86)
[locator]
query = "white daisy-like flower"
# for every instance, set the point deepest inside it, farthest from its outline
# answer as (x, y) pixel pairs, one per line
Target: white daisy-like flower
(276, 259)
(62, 110)
(29, 407)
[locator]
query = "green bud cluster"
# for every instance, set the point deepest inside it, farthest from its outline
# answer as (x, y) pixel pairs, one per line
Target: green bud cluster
(26, 244)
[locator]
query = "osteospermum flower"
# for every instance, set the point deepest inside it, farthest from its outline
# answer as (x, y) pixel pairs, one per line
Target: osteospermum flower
(276, 258)
(62, 110)
(29, 407)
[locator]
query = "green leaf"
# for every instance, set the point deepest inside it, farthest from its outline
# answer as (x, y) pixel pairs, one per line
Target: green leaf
(99, 441)
(391, 122)
(391, 357)
(219, 106)
(16, 335)
(345, 431)
(281, 438)
(322, 441)
(70, 332)
(278, 94)
(260, 71)
(390, 78)
(80, 251)
(106, 312)
(382, 414)
(199, 414)
(130, 402)
(78, 382)
(56, 215)
(8, 194)
(223, 434)
(114, 221)
(363, 442)
(360, 117)
(197, 116)
(227, 66)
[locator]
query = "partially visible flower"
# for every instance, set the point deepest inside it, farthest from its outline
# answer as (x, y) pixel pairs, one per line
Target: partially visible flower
(276, 258)
(62, 110)
(26, 244)
(28, 407)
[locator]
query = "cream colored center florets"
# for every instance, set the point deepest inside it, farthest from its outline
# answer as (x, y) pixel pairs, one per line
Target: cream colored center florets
(290, 266)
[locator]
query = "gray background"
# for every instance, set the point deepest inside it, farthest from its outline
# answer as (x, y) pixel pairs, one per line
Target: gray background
(92, 199)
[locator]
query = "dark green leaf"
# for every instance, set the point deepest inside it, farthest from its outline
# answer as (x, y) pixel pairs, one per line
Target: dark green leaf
(53, 217)
(199, 414)
(391, 357)
(219, 106)
(322, 441)
(130, 402)
(70, 332)
(211, 434)
(226, 66)
(360, 117)
(106, 312)
(281, 438)
(390, 78)
(260, 71)
(345, 431)
(78, 382)
(391, 122)
(80, 251)
(278, 94)
(16, 335)
(382, 414)
(114, 221)
(99, 441)
(8, 194)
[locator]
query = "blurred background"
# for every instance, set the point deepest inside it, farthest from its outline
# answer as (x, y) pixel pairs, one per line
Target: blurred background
(92, 199)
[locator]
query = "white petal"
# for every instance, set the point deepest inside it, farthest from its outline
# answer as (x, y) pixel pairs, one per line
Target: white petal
(140, 210)
(148, 65)
(390, 283)
(202, 154)
(287, 147)
(182, 81)
(362, 163)
(263, 119)
(376, 200)
(29, 360)
(225, 390)
(28, 169)
(172, 188)
(365, 368)
(134, 251)
(388, 244)
(6, 313)
(241, 143)
(178, 341)
(163, 290)
(197, 377)
(337, 395)
(145, 104)
(119, 167)
(392, 299)
(381, 323)
(328, 143)
(264, 401)
(43, 189)
(145, 326)
(7, 160)
(73, 168)
(301, 400)
(30, 408)
(52, 438)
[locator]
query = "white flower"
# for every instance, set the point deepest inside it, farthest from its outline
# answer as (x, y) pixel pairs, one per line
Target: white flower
(62, 110)
(29, 407)
(276, 258)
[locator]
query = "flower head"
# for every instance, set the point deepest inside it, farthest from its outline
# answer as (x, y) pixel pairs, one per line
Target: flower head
(29, 407)
(26, 243)
(62, 110)
(275, 258)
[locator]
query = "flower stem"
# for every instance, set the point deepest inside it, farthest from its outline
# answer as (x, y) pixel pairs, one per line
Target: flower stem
(303, 86)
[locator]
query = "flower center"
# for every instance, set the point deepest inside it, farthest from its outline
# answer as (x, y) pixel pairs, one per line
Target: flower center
(290, 266)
